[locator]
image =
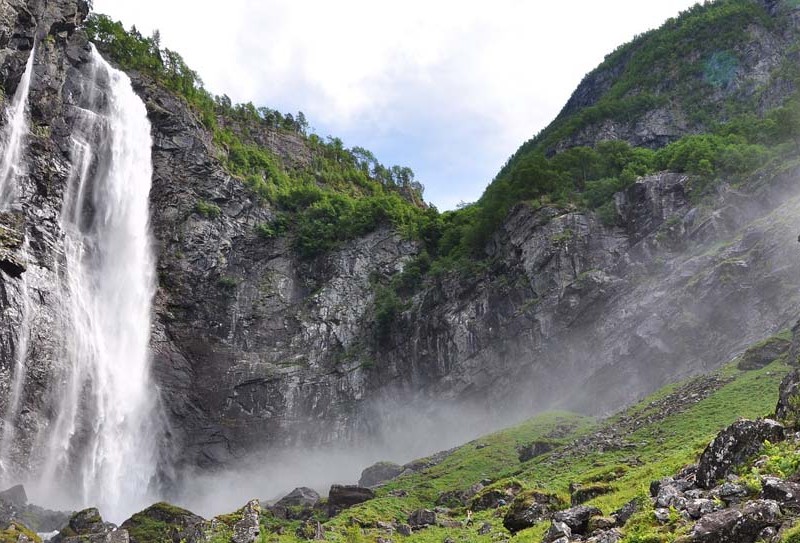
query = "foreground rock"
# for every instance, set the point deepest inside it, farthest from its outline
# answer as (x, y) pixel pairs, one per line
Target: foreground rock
(247, 529)
(733, 446)
(739, 525)
(167, 522)
(87, 526)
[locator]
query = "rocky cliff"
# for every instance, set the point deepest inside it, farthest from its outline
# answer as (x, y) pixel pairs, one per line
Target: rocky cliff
(254, 347)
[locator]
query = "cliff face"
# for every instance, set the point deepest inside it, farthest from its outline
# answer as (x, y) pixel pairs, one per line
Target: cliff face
(254, 347)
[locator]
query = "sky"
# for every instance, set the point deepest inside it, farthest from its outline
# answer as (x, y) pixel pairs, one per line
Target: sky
(450, 88)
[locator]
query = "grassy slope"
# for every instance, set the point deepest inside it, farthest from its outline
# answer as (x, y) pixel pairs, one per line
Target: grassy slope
(653, 446)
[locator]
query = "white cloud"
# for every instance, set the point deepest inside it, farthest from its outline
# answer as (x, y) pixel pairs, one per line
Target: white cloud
(450, 88)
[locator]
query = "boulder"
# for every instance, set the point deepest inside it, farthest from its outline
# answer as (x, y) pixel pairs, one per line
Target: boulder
(15, 496)
(582, 494)
(737, 525)
(733, 446)
(495, 497)
(624, 513)
(342, 497)
(87, 526)
(531, 507)
(788, 408)
(786, 493)
(761, 354)
(556, 531)
(300, 497)
(379, 473)
(534, 449)
(299, 504)
(246, 530)
(700, 507)
(422, 518)
(577, 518)
(170, 522)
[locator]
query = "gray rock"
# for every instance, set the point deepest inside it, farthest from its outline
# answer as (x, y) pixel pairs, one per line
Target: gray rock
(788, 408)
(379, 473)
(557, 530)
(699, 507)
(344, 496)
(422, 518)
(737, 525)
(661, 514)
(577, 518)
(15, 496)
(87, 526)
(786, 493)
(247, 529)
(763, 353)
(530, 508)
(300, 497)
(733, 446)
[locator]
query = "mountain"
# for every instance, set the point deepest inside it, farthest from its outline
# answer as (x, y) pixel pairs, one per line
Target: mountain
(304, 295)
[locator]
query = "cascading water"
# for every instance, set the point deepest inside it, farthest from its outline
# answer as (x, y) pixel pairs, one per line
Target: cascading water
(103, 443)
(13, 138)
(12, 166)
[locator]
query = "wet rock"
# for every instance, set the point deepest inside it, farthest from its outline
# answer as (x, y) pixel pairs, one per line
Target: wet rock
(577, 518)
(379, 473)
(763, 353)
(176, 525)
(531, 507)
(422, 518)
(534, 449)
(341, 497)
(246, 530)
(733, 446)
(737, 525)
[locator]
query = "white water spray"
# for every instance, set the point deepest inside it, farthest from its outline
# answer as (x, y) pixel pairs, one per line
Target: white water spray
(103, 443)
(12, 162)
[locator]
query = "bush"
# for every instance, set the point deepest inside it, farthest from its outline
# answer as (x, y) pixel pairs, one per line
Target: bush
(207, 209)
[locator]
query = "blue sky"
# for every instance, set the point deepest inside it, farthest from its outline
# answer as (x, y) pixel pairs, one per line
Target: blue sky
(449, 88)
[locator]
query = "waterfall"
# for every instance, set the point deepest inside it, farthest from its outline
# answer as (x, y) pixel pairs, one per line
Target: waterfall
(13, 137)
(101, 449)
(12, 166)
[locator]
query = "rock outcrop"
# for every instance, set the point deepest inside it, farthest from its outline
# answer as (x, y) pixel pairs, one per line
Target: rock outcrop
(254, 347)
